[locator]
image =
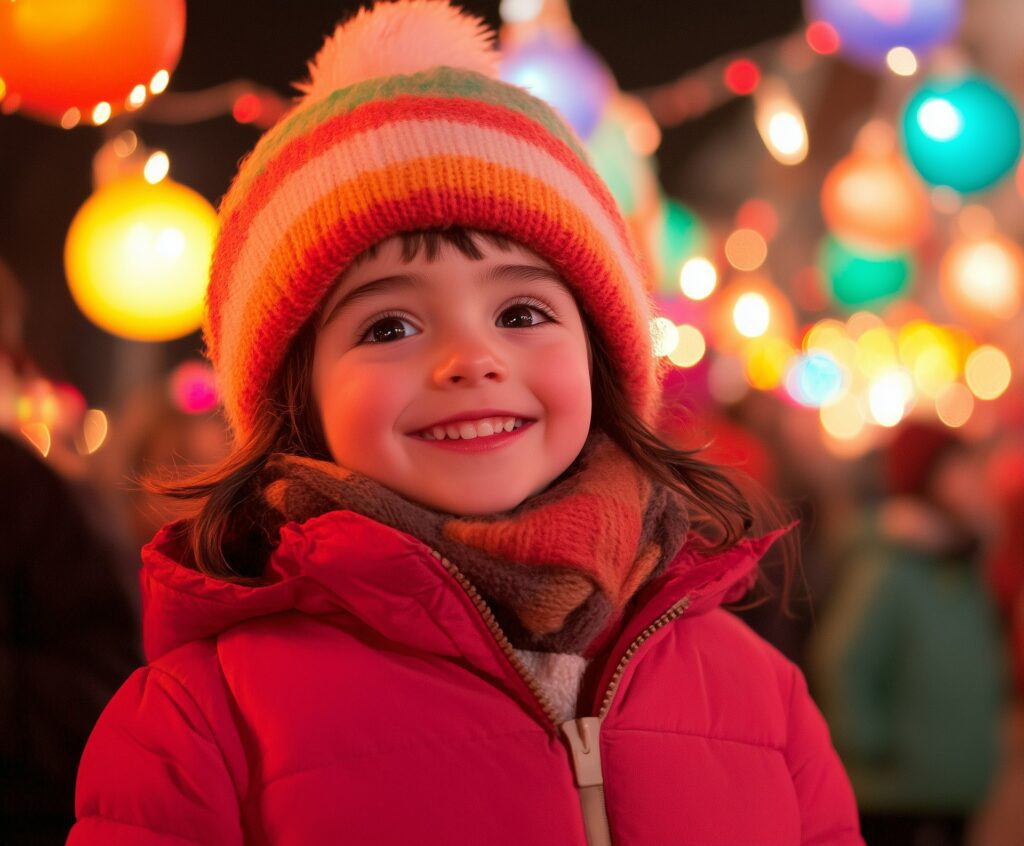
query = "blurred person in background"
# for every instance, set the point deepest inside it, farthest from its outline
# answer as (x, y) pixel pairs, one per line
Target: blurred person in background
(68, 616)
(1001, 823)
(908, 658)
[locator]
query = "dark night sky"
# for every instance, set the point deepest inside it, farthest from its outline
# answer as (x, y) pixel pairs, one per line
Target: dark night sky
(45, 173)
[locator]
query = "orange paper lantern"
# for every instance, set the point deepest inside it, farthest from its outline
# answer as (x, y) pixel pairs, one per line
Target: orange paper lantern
(66, 57)
(875, 201)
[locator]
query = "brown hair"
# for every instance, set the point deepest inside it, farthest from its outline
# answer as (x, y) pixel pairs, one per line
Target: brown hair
(225, 537)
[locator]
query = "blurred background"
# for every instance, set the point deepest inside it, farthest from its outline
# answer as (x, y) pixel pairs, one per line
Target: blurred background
(830, 196)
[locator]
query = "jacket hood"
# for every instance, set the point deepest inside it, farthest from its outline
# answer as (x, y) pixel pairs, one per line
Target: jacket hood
(341, 563)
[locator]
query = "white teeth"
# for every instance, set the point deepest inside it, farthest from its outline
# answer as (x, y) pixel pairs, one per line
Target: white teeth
(467, 430)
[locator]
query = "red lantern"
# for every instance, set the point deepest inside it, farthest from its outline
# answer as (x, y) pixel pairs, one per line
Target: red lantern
(63, 58)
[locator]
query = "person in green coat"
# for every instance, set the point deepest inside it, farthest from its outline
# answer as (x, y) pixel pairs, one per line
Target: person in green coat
(908, 659)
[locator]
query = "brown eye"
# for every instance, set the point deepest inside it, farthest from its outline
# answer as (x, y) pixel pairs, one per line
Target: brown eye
(388, 329)
(521, 315)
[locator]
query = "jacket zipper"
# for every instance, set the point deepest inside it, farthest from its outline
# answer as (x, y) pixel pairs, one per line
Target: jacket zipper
(582, 733)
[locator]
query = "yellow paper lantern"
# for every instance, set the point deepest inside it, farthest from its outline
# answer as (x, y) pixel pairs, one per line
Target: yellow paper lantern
(982, 279)
(137, 258)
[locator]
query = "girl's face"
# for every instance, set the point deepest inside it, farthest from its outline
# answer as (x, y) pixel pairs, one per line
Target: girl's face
(409, 354)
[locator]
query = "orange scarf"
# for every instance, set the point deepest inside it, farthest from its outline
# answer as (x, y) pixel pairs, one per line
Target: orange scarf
(557, 571)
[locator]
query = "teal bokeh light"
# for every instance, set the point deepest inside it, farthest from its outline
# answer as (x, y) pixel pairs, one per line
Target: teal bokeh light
(858, 278)
(815, 379)
(962, 132)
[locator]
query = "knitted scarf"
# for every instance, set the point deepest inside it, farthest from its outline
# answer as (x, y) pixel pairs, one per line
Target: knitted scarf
(557, 570)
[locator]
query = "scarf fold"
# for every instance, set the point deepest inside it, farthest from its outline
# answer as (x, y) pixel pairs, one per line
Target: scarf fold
(557, 570)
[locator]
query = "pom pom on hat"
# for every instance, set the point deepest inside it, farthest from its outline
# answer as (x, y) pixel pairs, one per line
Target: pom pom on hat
(402, 37)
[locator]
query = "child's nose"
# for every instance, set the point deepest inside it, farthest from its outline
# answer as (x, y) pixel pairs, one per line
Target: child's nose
(468, 362)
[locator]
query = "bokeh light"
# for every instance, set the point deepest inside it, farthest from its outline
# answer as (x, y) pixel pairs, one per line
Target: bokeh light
(988, 372)
(698, 278)
(982, 279)
(815, 379)
(690, 347)
(954, 405)
(858, 277)
(901, 61)
(751, 314)
(869, 29)
(889, 397)
(193, 387)
(741, 76)
(565, 73)
(745, 249)
(137, 258)
(876, 201)
(961, 132)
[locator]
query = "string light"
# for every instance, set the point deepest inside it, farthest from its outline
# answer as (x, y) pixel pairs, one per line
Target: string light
(157, 167)
(158, 84)
(136, 98)
(101, 113)
(780, 123)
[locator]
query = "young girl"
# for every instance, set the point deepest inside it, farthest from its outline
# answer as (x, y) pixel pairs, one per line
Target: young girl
(449, 588)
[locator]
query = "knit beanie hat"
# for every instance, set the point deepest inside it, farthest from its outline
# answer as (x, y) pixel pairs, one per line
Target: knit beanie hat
(404, 125)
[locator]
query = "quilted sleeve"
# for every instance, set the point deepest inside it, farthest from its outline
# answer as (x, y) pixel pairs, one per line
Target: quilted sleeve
(828, 810)
(153, 771)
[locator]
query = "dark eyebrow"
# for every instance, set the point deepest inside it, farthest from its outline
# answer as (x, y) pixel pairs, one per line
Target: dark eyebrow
(525, 273)
(370, 289)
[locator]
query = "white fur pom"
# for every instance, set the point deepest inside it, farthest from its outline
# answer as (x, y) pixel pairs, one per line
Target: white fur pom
(400, 37)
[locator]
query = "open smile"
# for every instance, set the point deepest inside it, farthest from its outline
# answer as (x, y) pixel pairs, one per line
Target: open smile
(475, 435)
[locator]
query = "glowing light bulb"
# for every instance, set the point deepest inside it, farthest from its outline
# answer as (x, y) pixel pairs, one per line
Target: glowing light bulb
(101, 113)
(751, 315)
(137, 97)
(780, 123)
(901, 61)
(158, 84)
(690, 347)
(987, 372)
(664, 335)
(698, 278)
(157, 167)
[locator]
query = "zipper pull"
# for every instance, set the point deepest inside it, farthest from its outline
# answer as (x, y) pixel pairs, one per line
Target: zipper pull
(582, 734)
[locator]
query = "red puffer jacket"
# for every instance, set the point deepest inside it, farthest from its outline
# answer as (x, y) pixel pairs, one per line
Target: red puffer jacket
(361, 697)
